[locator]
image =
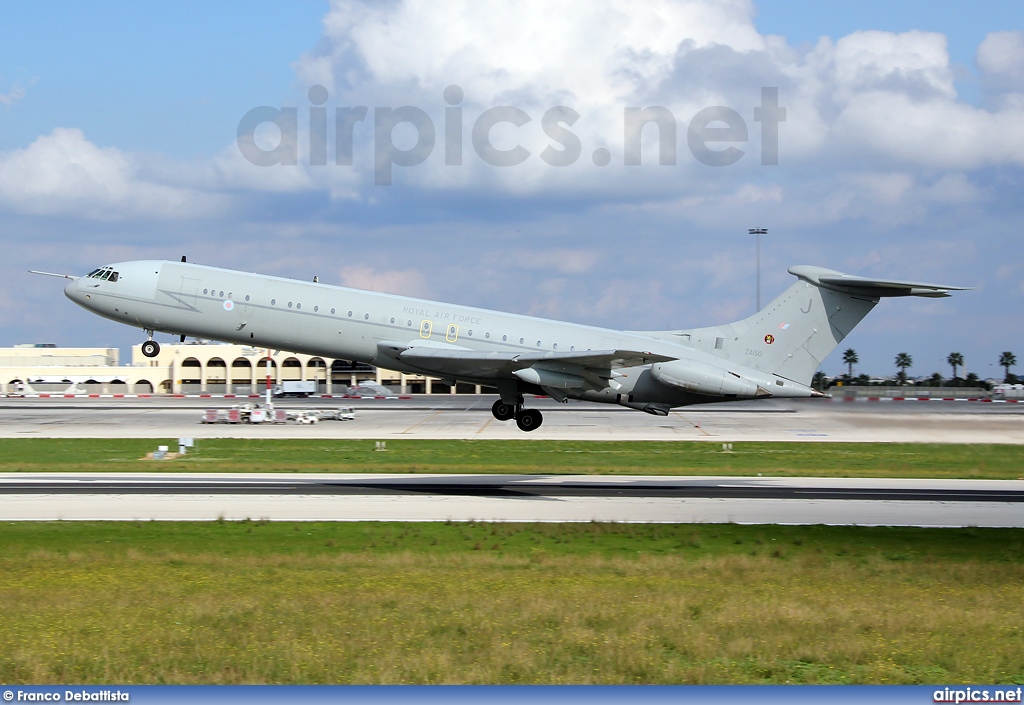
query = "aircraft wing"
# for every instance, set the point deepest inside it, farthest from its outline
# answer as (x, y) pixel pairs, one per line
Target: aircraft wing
(470, 363)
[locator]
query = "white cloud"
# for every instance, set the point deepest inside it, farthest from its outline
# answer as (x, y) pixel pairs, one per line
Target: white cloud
(912, 63)
(592, 53)
(12, 96)
(64, 173)
(870, 100)
(1001, 57)
(230, 170)
(934, 134)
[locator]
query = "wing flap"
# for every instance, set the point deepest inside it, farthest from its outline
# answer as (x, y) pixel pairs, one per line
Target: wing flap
(475, 364)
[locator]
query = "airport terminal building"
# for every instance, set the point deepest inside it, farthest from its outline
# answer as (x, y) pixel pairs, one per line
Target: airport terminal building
(192, 368)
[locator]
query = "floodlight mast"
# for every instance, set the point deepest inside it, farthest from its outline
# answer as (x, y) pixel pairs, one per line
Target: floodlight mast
(757, 233)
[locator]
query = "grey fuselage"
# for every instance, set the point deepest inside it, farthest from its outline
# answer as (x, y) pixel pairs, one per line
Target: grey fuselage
(319, 319)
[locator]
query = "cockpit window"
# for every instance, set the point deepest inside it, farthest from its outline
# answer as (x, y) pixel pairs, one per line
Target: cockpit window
(103, 274)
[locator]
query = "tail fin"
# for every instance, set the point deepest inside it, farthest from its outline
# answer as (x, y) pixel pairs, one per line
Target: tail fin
(792, 335)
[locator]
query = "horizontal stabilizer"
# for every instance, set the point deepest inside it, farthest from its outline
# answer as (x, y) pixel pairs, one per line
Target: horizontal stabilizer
(867, 286)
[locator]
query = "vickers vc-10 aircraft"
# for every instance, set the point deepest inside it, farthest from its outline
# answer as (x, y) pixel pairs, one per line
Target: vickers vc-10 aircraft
(774, 353)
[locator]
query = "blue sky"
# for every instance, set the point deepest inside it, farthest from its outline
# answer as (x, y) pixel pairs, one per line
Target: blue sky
(118, 124)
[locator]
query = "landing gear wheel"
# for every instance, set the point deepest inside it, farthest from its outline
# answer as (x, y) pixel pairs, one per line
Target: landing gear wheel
(529, 420)
(503, 411)
(151, 348)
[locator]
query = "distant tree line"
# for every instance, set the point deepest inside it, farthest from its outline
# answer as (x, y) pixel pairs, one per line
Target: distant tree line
(903, 361)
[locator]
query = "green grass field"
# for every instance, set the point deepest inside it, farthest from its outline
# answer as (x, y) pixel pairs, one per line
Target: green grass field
(522, 456)
(257, 602)
(254, 602)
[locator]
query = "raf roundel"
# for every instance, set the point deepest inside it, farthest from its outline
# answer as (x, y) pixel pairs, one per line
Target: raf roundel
(229, 305)
(769, 339)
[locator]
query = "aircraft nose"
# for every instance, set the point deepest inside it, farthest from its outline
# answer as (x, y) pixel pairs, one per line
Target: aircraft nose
(71, 290)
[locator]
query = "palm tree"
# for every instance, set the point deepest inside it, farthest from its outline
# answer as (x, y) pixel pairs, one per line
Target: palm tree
(903, 361)
(850, 358)
(955, 359)
(818, 381)
(1007, 360)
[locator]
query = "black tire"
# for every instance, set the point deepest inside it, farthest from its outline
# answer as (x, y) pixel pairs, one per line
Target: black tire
(503, 411)
(529, 420)
(151, 348)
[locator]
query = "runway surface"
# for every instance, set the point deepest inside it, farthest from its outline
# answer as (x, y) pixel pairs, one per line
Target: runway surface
(369, 497)
(446, 416)
(520, 498)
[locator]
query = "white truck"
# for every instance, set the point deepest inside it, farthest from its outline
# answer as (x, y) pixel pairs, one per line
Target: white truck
(1008, 391)
(294, 388)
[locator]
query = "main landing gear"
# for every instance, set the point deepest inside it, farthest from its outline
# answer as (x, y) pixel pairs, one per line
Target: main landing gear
(150, 348)
(526, 419)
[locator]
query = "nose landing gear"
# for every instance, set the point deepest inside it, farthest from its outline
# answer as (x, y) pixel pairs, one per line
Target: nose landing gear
(526, 419)
(150, 348)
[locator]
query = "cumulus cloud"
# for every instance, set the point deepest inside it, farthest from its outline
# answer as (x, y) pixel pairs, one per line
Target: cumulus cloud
(64, 173)
(1001, 59)
(871, 99)
(915, 64)
(595, 54)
